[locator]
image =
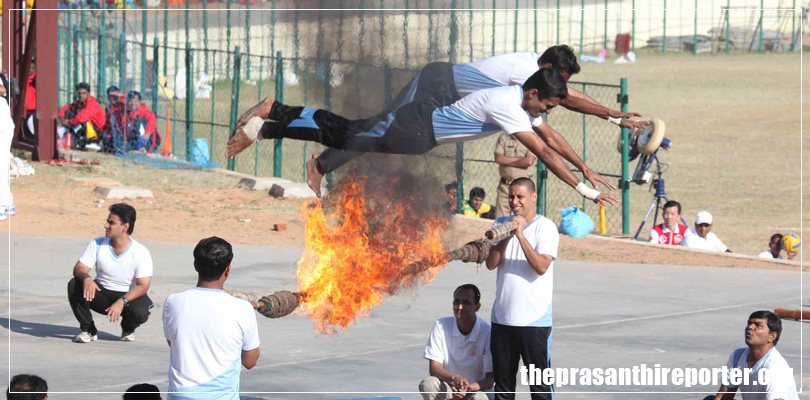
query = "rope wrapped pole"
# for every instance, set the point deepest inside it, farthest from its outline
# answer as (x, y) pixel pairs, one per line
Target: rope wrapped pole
(284, 302)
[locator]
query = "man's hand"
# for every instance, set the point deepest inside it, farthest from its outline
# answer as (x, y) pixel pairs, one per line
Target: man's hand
(261, 110)
(460, 386)
(622, 114)
(527, 161)
(521, 225)
(626, 123)
(90, 288)
(594, 177)
(237, 144)
(114, 311)
(606, 199)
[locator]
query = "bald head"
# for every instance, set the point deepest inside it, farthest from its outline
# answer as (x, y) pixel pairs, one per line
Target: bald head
(525, 183)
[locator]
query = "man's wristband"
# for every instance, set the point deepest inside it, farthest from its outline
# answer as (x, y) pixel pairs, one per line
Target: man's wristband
(587, 192)
(253, 127)
(124, 299)
(615, 121)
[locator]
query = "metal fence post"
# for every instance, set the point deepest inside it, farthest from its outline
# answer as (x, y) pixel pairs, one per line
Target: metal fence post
(625, 184)
(494, 4)
(165, 36)
(584, 141)
(558, 23)
(728, 26)
(604, 44)
(122, 62)
(582, 30)
(237, 67)
(75, 57)
(189, 102)
(247, 39)
(459, 164)
(793, 27)
(102, 50)
(259, 97)
(542, 176)
(205, 32)
(277, 149)
(633, 24)
(453, 33)
(694, 36)
(761, 23)
(83, 27)
(155, 69)
(144, 28)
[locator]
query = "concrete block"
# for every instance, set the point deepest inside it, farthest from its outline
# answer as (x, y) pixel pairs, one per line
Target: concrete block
(279, 227)
(259, 183)
(293, 190)
(95, 181)
(122, 192)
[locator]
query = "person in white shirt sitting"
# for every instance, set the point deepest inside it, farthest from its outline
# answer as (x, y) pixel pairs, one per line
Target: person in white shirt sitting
(762, 332)
(774, 248)
(705, 239)
(458, 353)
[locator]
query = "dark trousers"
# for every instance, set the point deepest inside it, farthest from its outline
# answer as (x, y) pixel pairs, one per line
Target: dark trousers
(434, 83)
(135, 313)
(409, 132)
(511, 343)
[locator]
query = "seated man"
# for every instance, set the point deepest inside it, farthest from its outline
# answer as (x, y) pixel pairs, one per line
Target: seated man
(705, 239)
(141, 124)
(761, 335)
(458, 352)
(475, 206)
(774, 248)
(451, 191)
(123, 275)
(113, 132)
(419, 126)
(83, 119)
(671, 232)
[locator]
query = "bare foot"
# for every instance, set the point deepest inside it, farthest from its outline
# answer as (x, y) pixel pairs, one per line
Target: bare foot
(239, 142)
(261, 110)
(314, 177)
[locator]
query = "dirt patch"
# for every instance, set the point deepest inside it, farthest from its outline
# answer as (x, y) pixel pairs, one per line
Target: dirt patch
(186, 210)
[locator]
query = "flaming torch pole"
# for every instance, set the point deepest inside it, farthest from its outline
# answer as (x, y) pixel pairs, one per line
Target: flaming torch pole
(284, 302)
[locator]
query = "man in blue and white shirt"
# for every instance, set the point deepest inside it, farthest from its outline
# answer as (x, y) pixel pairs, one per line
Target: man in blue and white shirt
(419, 126)
(123, 274)
(212, 334)
(762, 332)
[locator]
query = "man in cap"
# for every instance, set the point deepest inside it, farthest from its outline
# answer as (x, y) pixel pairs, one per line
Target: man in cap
(705, 239)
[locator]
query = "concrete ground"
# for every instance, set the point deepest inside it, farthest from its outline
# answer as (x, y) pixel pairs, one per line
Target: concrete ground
(605, 315)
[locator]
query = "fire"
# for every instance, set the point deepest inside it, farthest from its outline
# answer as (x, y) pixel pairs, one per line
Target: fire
(354, 257)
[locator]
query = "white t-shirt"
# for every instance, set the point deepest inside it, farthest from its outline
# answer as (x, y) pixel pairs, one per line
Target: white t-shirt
(522, 296)
(768, 254)
(468, 356)
(483, 113)
(509, 69)
(208, 329)
(117, 272)
(782, 385)
(711, 242)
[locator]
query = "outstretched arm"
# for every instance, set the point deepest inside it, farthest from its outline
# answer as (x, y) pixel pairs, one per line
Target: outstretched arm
(584, 104)
(557, 166)
(558, 143)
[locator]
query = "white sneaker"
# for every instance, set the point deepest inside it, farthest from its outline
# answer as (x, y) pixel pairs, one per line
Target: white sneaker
(3, 215)
(11, 210)
(127, 337)
(84, 337)
(93, 146)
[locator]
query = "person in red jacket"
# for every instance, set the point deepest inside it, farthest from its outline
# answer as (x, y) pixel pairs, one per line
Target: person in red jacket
(141, 123)
(31, 102)
(671, 232)
(83, 118)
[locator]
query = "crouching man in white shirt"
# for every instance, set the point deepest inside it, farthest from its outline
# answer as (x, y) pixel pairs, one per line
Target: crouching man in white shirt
(459, 359)
(761, 335)
(705, 239)
(123, 275)
(211, 334)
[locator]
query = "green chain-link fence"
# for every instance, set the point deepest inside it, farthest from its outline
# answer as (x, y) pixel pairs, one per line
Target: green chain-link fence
(199, 70)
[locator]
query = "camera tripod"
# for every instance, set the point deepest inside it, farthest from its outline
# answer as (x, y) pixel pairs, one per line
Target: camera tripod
(660, 195)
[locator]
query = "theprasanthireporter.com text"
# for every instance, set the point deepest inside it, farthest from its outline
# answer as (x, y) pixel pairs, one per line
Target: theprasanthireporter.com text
(642, 375)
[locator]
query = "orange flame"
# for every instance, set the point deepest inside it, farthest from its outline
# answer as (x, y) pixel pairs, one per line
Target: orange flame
(355, 256)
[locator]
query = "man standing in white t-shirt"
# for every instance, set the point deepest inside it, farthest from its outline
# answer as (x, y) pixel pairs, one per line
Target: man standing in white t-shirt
(521, 315)
(211, 334)
(123, 275)
(705, 238)
(459, 359)
(761, 335)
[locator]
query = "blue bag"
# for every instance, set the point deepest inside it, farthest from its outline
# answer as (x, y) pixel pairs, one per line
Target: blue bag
(575, 222)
